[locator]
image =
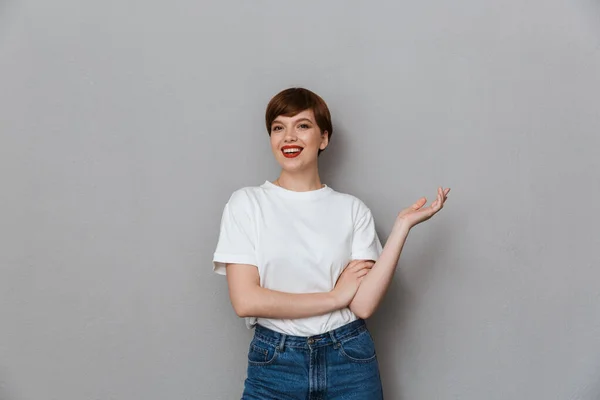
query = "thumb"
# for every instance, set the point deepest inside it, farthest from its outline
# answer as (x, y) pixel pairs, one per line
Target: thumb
(420, 203)
(416, 206)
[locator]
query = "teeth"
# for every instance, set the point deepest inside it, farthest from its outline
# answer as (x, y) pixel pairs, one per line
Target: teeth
(296, 150)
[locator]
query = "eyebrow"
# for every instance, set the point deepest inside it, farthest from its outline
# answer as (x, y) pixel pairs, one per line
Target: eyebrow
(301, 119)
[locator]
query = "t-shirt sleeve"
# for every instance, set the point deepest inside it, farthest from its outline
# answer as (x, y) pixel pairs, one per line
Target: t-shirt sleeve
(365, 242)
(237, 236)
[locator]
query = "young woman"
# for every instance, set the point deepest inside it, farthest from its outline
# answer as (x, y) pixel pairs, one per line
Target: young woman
(305, 266)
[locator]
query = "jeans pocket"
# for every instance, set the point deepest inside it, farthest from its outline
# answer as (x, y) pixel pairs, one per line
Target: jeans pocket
(261, 353)
(359, 348)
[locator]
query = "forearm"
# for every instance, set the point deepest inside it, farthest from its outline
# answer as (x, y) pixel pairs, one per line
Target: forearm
(375, 284)
(266, 303)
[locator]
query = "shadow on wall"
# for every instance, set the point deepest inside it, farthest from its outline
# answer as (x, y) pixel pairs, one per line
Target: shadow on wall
(333, 156)
(391, 321)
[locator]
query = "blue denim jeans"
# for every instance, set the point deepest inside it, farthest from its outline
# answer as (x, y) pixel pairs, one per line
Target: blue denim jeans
(340, 364)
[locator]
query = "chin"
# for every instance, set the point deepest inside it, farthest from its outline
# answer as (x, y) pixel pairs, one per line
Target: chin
(291, 168)
(292, 164)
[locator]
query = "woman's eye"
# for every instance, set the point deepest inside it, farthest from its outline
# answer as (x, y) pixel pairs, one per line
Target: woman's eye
(304, 126)
(276, 128)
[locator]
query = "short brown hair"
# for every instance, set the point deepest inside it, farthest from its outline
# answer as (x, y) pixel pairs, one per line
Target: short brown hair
(292, 101)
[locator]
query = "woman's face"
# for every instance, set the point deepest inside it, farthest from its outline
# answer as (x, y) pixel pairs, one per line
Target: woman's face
(296, 141)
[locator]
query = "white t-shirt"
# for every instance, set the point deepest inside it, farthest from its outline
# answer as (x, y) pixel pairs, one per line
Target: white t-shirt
(300, 242)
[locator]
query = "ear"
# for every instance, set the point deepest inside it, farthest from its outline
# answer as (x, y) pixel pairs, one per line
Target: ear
(324, 140)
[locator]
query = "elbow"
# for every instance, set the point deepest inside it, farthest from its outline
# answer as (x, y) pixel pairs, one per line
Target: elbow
(362, 312)
(245, 302)
(242, 309)
(240, 313)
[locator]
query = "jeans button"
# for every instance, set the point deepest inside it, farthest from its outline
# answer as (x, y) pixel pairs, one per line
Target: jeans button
(311, 341)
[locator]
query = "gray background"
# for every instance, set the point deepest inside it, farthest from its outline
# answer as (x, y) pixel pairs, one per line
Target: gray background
(126, 125)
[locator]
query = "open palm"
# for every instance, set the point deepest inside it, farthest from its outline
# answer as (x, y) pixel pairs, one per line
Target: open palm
(416, 213)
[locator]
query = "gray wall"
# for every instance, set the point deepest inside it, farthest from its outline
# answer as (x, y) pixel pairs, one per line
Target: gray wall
(126, 125)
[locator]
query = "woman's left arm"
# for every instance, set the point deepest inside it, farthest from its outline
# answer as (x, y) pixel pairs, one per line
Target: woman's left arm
(375, 284)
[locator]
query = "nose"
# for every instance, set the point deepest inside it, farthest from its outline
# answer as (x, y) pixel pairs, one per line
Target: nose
(290, 136)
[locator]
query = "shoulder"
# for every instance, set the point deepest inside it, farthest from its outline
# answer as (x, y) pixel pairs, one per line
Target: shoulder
(359, 208)
(245, 197)
(240, 196)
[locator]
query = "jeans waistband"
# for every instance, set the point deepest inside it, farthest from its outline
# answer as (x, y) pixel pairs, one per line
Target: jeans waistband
(332, 337)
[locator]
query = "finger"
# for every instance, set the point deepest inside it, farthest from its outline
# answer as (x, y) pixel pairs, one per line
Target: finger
(370, 263)
(365, 264)
(358, 265)
(438, 202)
(434, 205)
(362, 273)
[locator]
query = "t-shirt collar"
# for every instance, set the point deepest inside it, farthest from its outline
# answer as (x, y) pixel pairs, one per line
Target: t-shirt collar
(291, 194)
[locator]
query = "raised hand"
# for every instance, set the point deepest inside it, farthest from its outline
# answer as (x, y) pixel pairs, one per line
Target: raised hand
(416, 213)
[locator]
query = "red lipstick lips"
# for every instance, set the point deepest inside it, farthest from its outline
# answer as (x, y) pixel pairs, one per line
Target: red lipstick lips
(291, 151)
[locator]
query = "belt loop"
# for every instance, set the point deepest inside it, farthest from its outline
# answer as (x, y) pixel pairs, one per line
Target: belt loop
(281, 342)
(334, 340)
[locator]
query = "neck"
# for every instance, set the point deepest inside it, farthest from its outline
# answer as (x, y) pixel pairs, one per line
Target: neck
(300, 182)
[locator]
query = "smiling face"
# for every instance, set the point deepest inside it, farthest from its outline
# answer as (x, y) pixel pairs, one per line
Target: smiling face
(296, 141)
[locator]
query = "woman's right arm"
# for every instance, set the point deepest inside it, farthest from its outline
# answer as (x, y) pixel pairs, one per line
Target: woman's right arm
(249, 299)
